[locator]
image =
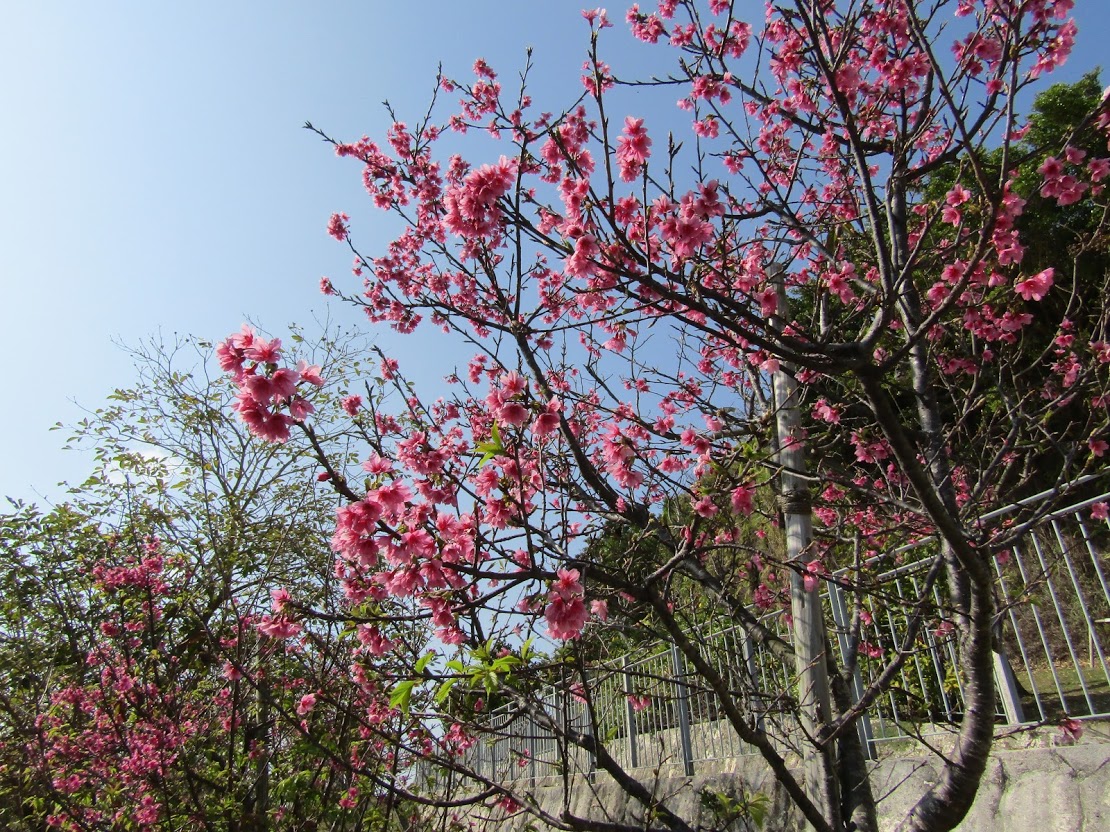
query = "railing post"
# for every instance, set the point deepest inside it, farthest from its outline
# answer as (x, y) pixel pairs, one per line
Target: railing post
(1006, 683)
(630, 718)
(533, 729)
(683, 703)
(840, 618)
(591, 755)
(753, 674)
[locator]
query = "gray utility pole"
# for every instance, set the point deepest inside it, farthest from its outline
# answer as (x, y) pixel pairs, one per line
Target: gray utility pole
(814, 706)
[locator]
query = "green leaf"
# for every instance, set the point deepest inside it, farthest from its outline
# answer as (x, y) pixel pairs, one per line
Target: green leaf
(423, 662)
(402, 694)
(444, 690)
(526, 650)
(505, 663)
(758, 804)
(490, 449)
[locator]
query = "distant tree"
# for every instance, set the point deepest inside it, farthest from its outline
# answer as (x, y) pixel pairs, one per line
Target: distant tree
(148, 674)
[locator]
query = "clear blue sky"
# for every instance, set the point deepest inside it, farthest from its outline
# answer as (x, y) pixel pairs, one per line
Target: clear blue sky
(154, 176)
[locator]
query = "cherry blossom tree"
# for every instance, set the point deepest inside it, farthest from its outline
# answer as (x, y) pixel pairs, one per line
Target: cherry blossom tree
(148, 676)
(627, 294)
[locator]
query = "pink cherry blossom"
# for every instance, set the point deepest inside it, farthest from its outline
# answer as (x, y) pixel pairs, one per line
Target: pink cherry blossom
(352, 404)
(1036, 287)
(1071, 730)
(337, 226)
(633, 149)
(306, 704)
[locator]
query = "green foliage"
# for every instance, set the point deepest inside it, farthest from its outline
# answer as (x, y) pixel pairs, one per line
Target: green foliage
(738, 810)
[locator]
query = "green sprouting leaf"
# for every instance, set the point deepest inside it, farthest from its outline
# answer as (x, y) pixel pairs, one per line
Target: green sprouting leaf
(491, 449)
(444, 690)
(758, 804)
(505, 663)
(490, 681)
(526, 651)
(402, 695)
(423, 662)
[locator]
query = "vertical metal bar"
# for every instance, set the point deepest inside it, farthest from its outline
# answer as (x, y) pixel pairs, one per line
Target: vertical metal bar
(930, 703)
(1063, 625)
(1019, 639)
(533, 729)
(588, 711)
(1094, 557)
(1040, 629)
(1006, 683)
(755, 676)
(683, 704)
(839, 607)
(950, 650)
(630, 718)
(934, 659)
(902, 673)
(1088, 619)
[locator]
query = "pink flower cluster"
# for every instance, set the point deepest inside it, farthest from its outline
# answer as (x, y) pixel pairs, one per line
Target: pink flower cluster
(566, 612)
(633, 149)
(472, 204)
(280, 625)
(268, 400)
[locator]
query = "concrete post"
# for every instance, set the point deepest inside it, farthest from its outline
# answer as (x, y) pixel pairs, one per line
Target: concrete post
(814, 702)
(630, 718)
(683, 704)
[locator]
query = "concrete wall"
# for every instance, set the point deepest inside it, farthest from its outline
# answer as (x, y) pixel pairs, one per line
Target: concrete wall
(1034, 785)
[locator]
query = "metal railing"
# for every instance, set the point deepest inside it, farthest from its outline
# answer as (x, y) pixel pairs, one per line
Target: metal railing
(1052, 634)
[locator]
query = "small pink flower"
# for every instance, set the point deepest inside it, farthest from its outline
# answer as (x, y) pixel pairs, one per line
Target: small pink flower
(310, 373)
(351, 404)
(279, 599)
(280, 628)
(811, 575)
(741, 499)
(825, 412)
(1071, 730)
(958, 196)
(1099, 511)
(337, 226)
(307, 703)
(870, 650)
(705, 507)
(639, 702)
(565, 619)
(300, 408)
(600, 609)
(633, 149)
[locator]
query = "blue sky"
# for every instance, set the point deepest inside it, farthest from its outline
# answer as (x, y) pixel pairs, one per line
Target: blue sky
(155, 176)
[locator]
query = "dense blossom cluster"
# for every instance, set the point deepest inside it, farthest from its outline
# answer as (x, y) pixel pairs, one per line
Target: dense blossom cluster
(700, 271)
(269, 401)
(110, 742)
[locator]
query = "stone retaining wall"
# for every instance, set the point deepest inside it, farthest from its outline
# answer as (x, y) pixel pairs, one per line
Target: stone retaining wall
(1038, 788)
